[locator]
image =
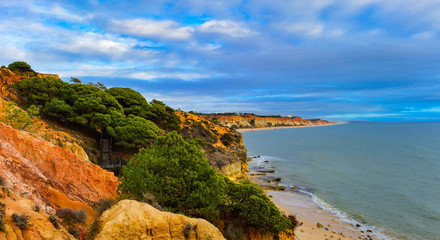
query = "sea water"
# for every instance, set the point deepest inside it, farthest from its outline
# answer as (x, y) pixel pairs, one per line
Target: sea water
(379, 174)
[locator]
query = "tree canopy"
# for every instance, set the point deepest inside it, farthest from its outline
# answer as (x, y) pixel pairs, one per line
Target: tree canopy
(19, 67)
(178, 175)
(92, 106)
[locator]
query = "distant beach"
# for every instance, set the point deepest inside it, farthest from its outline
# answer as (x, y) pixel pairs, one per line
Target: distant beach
(283, 127)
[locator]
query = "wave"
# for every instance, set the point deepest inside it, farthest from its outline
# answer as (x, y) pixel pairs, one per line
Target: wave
(358, 221)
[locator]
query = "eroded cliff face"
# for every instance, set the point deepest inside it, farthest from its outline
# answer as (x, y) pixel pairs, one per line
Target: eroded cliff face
(39, 226)
(253, 121)
(223, 148)
(49, 175)
(130, 219)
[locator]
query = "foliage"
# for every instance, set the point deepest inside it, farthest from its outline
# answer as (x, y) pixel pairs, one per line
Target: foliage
(38, 90)
(55, 221)
(74, 80)
(156, 111)
(36, 207)
(2, 214)
(132, 102)
(176, 172)
(162, 115)
(20, 220)
(17, 117)
(74, 232)
(104, 204)
(133, 131)
(72, 216)
(226, 139)
(2, 181)
(19, 66)
(256, 208)
(123, 112)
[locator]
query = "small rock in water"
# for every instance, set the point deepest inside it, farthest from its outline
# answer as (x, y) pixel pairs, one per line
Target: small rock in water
(293, 188)
(319, 225)
(276, 180)
(266, 161)
(358, 225)
(369, 231)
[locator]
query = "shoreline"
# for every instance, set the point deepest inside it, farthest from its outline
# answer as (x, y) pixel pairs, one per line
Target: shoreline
(285, 127)
(307, 211)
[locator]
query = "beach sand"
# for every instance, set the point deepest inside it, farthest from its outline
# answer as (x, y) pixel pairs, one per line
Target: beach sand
(310, 214)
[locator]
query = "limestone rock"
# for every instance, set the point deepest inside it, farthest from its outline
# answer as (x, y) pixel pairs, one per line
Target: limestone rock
(130, 219)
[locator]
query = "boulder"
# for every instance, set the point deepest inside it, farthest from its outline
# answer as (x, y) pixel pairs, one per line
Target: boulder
(130, 219)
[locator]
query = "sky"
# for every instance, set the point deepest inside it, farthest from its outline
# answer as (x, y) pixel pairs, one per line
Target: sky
(358, 60)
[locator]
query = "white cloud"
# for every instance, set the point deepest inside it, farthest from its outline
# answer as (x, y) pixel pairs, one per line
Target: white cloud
(150, 28)
(225, 27)
(59, 12)
(152, 75)
(306, 29)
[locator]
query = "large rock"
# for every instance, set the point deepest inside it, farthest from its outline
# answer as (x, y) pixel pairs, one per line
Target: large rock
(130, 219)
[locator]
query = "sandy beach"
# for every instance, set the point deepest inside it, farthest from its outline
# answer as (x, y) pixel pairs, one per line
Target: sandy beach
(312, 215)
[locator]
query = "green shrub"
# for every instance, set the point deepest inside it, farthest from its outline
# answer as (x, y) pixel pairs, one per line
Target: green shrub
(178, 175)
(55, 221)
(226, 139)
(19, 66)
(104, 204)
(21, 221)
(2, 214)
(17, 117)
(74, 232)
(72, 216)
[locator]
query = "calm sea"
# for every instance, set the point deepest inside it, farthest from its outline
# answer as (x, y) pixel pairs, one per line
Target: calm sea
(380, 174)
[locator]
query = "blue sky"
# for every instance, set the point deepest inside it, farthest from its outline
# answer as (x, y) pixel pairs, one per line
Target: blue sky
(338, 60)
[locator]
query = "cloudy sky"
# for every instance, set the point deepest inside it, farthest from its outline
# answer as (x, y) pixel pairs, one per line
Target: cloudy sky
(333, 59)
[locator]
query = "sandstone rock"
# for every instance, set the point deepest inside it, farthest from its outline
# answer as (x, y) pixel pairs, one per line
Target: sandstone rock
(39, 225)
(134, 220)
(49, 175)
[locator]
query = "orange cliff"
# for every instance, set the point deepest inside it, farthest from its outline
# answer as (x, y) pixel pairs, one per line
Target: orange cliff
(254, 121)
(51, 176)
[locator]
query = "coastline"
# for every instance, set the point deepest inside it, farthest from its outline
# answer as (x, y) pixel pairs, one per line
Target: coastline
(284, 127)
(307, 211)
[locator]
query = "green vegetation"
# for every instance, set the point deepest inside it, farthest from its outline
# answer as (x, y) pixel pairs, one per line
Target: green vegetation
(17, 117)
(178, 175)
(72, 216)
(122, 112)
(20, 220)
(19, 67)
(2, 214)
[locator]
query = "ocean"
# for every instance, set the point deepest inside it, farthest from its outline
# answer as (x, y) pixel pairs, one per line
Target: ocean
(384, 175)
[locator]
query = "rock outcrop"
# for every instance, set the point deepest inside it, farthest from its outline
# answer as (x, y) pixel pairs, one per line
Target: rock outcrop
(223, 147)
(130, 219)
(254, 121)
(49, 175)
(39, 226)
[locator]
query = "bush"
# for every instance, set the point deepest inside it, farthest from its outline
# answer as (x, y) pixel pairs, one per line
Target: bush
(21, 221)
(55, 221)
(74, 232)
(17, 117)
(2, 213)
(104, 204)
(2, 182)
(178, 175)
(72, 216)
(19, 66)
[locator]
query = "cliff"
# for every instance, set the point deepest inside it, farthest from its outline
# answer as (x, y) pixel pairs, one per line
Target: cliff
(222, 146)
(39, 226)
(49, 175)
(130, 219)
(254, 121)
